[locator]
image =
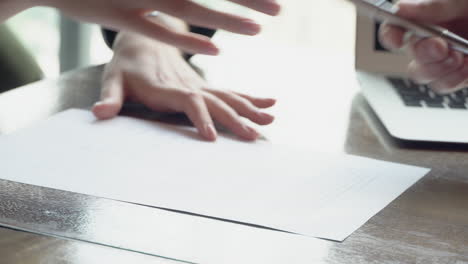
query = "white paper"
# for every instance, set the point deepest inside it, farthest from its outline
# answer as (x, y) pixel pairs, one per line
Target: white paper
(165, 166)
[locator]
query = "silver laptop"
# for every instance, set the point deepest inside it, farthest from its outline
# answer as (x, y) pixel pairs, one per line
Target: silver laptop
(407, 110)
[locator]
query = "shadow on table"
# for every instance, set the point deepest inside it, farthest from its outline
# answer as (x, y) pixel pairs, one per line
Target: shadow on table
(138, 110)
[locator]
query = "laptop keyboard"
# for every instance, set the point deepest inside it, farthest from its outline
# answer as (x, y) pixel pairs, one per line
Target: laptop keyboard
(416, 95)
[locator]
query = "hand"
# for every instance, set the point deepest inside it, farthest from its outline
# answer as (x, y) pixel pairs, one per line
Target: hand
(433, 61)
(131, 15)
(156, 75)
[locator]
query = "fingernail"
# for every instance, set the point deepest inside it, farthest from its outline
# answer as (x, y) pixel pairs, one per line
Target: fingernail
(271, 101)
(450, 61)
(435, 52)
(251, 27)
(109, 100)
(385, 40)
(273, 7)
(265, 116)
(432, 49)
(407, 37)
(210, 132)
(104, 110)
(252, 132)
(212, 50)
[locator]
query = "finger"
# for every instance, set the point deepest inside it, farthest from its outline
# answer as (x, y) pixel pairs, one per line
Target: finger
(168, 98)
(453, 81)
(198, 113)
(429, 50)
(199, 15)
(426, 73)
(112, 97)
(432, 11)
(243, 107)
(391, 37)
(258, 102)
(270, 7)
(188, 42)
(181, 8)
(225, 115)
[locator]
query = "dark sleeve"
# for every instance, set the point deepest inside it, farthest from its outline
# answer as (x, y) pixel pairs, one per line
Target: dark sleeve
(109, 36)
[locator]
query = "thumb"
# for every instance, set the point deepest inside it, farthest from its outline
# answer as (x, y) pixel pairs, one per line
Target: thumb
(433, 11)
(111, 99)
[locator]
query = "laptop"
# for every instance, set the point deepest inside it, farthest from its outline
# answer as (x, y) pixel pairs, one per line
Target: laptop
(407, 110)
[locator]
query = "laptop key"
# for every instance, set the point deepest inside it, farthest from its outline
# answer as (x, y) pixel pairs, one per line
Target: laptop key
(413, 104)
(411, 98)
(434, 105)
(412, 92)
(457, 100)
(457, 106)
(414, 95)
(462, 93)
(436, 100)
(398, 83)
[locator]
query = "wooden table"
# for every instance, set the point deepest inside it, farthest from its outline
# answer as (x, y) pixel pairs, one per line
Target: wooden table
(427, 224)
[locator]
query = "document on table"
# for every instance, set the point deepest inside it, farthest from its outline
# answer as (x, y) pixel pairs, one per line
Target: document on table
(166, 166)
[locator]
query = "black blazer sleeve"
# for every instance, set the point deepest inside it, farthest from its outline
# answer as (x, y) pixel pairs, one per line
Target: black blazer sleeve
(109, 36)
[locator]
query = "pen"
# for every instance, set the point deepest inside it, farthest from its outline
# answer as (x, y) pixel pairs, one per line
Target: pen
(383, 10)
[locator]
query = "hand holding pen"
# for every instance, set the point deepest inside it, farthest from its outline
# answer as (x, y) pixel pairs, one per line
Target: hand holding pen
(434, 61)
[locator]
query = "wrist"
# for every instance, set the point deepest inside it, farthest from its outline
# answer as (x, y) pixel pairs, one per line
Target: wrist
(134, 45)
(169, 21)
(134, 41)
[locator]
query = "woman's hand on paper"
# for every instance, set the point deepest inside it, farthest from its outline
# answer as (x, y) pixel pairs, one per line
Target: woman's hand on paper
(433, 61)
(157, 75)
(133, 16)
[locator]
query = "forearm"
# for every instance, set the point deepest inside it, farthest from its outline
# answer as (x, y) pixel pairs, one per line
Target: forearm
(110, 36)
(173, 23)
(9, 8)
(136, 41)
